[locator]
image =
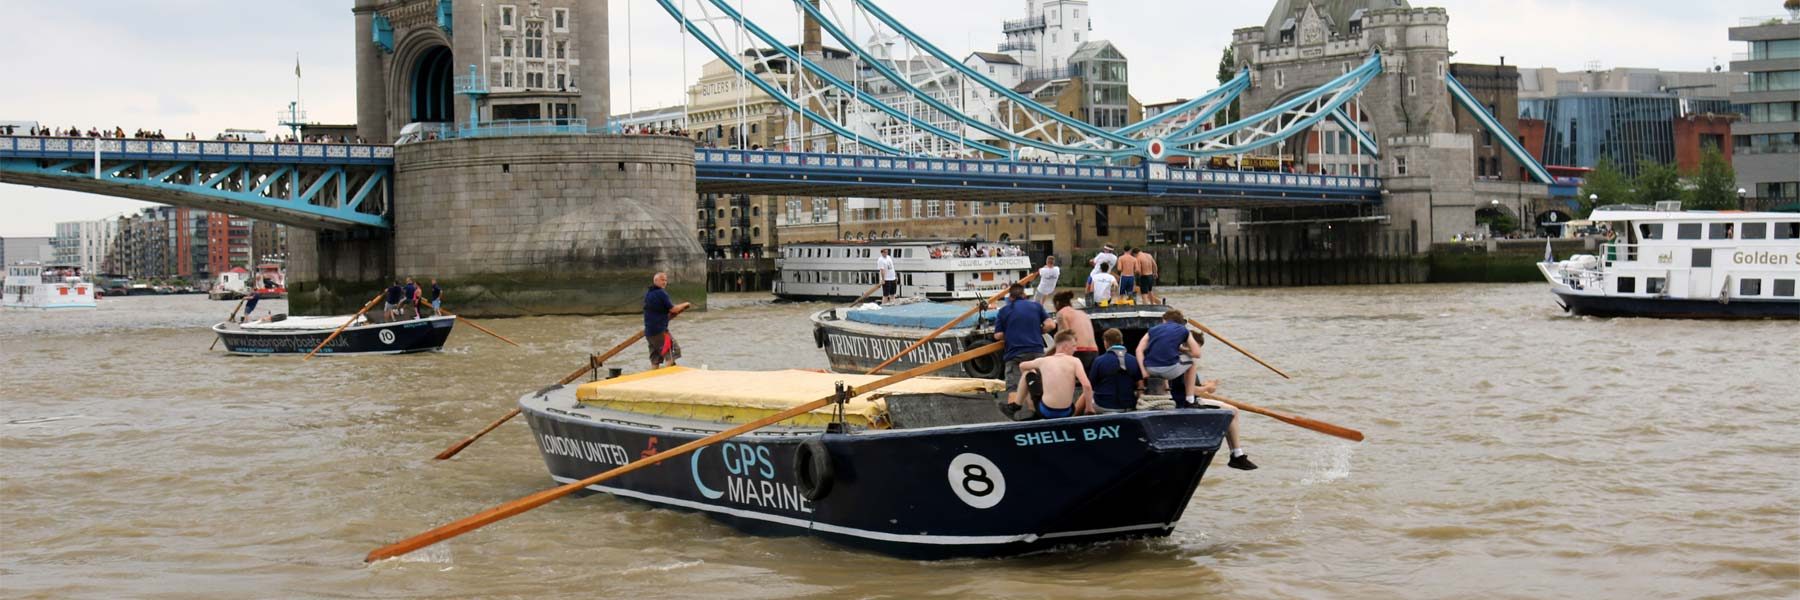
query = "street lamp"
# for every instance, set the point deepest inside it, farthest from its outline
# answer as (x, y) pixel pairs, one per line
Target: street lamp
(1741, 193)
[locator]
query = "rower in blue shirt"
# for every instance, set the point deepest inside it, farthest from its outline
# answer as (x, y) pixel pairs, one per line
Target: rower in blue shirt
(1021, 325)
(657, 305)
(1116, 375)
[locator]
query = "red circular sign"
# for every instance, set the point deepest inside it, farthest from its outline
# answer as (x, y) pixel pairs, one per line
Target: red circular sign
(1156, 149)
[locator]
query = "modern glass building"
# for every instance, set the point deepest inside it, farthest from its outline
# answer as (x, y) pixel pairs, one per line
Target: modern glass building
(1766, 151)
(1625, 127)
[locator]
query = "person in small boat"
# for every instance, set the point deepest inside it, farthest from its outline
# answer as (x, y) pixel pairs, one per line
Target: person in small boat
(250, 304)
(1050, 382)
(409, 298)
(1146, 277)
(890, 282)
(394, 295)
(1128, 268)
(1104, 258)
(1076, 321)
(437, 299)
(1117, 377)
(1020, 326)
(1170, 352)
(657, 305)
(1047, 276)
(1101, 286)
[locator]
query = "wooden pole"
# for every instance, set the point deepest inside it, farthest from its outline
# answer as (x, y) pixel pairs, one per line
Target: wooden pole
(471, 322)
(471, 523)
(1204, 329)
(1296, 420)
(593, 363)
(945, 327)
(346, 325)
(865, 295)
(234, 310)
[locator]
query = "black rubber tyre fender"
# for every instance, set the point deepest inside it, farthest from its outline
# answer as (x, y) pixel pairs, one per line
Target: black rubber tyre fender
(813, 471)
(984, 367)
(819, 336)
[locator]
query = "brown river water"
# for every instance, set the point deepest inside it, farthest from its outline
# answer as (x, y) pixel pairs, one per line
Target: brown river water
(1512, 452)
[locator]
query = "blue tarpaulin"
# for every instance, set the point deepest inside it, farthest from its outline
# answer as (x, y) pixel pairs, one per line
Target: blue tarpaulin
(924, 315)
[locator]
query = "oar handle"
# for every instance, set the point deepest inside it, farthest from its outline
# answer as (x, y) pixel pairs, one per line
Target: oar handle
(945, 327)
(1204, 329)
(865, 294)
(1295, 420)
(467, 524)
(228, 319)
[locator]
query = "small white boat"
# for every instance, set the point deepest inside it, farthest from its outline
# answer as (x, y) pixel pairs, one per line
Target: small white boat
(32, 285)
(937, 269)
(1666, 262)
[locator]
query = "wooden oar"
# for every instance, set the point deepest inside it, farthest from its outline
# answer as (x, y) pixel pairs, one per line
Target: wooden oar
(471, 322)
(234, 310)
(346, 325)
(1205, 330)
(593, 362)
(503, 511)
(945, 327)
(1295, 420)
(865, 295)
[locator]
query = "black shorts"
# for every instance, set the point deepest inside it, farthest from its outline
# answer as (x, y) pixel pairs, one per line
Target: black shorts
(663, 348)
(1146, 283)
(890, 288)
(1012, 369)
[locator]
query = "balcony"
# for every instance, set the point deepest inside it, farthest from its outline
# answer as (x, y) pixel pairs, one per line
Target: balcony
(1018, 46)
(1022, 24)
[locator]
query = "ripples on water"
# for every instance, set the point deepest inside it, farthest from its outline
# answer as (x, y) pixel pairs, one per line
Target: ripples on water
(1512, 452)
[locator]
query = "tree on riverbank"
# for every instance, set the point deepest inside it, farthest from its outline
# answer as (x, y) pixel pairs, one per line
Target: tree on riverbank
(1227, 70)
(1606, 182)
(1715, 184)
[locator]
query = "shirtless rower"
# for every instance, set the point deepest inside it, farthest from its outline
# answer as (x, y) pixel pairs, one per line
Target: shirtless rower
(1049, 382)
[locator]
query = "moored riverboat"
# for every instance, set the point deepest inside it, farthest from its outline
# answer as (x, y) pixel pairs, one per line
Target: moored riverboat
(32, 285)
(299, 335)
(938, 269)
(856, 339)
(1670, 263)
(928, 468)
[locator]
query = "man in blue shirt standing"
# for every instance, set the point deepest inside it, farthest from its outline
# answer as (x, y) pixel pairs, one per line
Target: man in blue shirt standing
(656, 323)
(1170, 352)
(1021, 325)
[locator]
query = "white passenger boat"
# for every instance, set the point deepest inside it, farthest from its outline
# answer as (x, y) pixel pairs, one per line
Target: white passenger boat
(938, 269)
(1672, 263)
(32, 285)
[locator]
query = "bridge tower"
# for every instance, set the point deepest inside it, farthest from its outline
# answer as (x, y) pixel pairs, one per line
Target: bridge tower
(513, 196)
(1424, 162)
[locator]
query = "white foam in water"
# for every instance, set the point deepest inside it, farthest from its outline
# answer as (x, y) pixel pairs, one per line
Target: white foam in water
(1329, 463)
(667, 567)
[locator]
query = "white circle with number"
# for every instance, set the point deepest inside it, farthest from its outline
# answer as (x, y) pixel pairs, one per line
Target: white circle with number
(976, 480)
(387, 336)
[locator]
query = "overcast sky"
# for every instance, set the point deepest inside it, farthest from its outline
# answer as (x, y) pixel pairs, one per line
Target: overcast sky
(207, 65)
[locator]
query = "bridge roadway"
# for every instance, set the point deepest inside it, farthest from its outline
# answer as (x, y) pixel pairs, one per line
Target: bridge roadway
(344, 186)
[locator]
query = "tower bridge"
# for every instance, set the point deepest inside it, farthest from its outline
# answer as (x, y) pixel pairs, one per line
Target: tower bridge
(520, 208)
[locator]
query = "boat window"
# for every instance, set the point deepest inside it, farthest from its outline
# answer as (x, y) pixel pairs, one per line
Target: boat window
(1784, 288)
(1787, 231)
(1718, 231)
(1702, 258)
(1750, 287)
(1651, 231)
(1687, 231)
(1655, 285)
(1755, 231)
(1628, 285)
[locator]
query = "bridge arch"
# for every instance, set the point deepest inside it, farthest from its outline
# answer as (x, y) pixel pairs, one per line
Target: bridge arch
(422, 79)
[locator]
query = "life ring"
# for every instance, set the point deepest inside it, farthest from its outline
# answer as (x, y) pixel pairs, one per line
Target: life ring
(984, 367)
(812, 469)
(819, 336)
